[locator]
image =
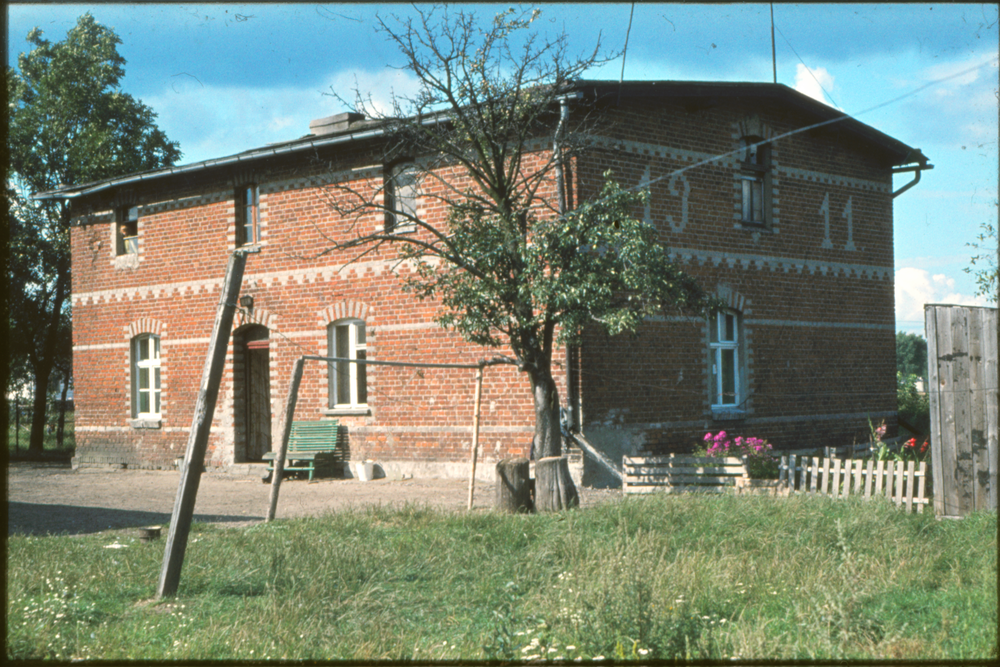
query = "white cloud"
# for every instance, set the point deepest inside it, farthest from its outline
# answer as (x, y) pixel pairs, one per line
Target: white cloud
(917, 287)
(216, 121)
(811, 82)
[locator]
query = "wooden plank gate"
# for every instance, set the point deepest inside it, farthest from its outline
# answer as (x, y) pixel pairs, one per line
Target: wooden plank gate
(962, 383)
(899, 481)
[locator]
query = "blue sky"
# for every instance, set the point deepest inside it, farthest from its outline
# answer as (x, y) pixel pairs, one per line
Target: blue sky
(224, 78)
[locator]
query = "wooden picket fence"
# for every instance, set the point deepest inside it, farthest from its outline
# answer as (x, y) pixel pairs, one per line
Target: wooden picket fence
(680, 474)
(900, 482)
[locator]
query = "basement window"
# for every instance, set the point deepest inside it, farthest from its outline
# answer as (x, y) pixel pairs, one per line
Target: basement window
(127, 231)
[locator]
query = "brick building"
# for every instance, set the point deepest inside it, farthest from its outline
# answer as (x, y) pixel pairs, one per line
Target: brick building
(777, 203)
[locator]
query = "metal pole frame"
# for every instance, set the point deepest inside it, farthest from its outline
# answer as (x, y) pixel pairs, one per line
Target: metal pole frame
(297, 370)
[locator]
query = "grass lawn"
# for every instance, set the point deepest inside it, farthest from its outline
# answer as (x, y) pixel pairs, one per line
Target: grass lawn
(656, 577)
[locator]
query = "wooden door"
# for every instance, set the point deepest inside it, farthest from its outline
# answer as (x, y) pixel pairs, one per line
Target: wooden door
(258, 407)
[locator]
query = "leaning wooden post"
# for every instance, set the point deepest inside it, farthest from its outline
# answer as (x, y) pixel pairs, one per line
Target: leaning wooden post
(201, 424)
(475, 433)
(286, 430)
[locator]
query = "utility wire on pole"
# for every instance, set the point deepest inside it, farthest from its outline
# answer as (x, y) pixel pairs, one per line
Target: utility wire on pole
(621, 80)
(774, 60)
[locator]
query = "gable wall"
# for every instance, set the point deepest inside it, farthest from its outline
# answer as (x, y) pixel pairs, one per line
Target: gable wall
(817, 309)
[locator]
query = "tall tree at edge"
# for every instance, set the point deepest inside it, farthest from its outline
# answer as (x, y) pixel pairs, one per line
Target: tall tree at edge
(69, 124)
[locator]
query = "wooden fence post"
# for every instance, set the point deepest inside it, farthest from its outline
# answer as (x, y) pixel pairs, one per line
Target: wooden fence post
(286, 431)
(201, 424)
(475, 433)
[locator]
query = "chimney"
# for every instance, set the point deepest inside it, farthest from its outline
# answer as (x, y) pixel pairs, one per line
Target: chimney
(334, 124)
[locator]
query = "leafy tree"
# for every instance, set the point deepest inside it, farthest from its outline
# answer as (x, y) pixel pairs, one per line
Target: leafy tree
(987, 273)
(511, 267)
(69, 123)
(911, 354)
(913, 407)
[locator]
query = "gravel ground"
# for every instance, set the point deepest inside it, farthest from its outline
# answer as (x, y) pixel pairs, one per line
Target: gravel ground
(51, 499)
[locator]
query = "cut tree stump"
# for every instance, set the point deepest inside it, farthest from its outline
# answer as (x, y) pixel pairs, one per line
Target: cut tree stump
(554, 488)
(513, 488)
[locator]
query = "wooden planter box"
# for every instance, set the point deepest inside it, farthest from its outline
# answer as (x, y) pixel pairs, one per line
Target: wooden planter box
(761, 487)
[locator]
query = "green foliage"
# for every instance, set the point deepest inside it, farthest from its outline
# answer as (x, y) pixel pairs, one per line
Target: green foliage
(597, 264)
(983, 266)
(69, 123)
(911, 354)
(914, 407)
(657, 578)
(511, 267)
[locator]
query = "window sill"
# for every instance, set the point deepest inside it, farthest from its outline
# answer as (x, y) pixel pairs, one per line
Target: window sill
(129, 260)
(721, 414)
(148, 422)
(755, 224)
(346, 412)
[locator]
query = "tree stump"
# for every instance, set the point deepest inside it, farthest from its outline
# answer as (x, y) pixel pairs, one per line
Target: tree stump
(513, 489)
(554, 488)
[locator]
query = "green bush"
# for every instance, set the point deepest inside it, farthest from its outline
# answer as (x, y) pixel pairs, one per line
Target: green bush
(913, 407)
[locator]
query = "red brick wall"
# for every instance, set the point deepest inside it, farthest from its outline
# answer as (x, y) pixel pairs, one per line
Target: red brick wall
(818, 320)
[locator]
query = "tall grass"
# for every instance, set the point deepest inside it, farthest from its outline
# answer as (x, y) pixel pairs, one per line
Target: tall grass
(659, 577)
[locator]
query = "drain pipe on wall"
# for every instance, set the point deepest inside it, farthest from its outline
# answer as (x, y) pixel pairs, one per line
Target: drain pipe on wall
(916, 169)
(571, 394)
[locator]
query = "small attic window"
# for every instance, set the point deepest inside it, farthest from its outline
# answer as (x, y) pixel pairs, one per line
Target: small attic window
(755, 177)
(127, 231)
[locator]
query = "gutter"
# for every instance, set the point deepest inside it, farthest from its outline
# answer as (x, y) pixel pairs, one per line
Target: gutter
(208, 164)
(916, 169)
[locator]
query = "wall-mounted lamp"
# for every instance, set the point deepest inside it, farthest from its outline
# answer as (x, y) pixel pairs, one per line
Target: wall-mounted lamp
(246, 301)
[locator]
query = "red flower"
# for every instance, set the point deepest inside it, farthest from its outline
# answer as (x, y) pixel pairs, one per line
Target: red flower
(924, 448)
(912, 442)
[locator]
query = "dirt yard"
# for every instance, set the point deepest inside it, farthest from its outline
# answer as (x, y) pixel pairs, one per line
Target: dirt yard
(46, 499)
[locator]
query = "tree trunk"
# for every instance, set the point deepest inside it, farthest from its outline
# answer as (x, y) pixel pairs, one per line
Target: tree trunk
(513, 486)
(36, 441)
(548, 438)
(44, 363)
(61, 427)
(554, 488)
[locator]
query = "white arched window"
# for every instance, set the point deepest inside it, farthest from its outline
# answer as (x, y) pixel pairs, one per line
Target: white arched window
(724, 359)
(348, 382)
(146, 376)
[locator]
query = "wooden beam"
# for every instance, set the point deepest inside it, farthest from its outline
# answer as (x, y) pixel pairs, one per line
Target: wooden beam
(286, 432)
(201, 424)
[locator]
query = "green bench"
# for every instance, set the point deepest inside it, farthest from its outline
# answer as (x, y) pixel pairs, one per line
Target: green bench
(312, 446)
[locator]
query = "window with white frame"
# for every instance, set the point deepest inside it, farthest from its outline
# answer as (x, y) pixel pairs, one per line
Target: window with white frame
(401, 198)
(348, 382)
(127, 230)
(146, 376)
(247, 215)
(724, 347)
(755, 178)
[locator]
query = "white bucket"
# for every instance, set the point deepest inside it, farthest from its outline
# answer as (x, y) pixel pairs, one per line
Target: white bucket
(365, 470)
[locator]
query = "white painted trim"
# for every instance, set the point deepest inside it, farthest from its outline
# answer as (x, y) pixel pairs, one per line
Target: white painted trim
(824, 325)
(785, 264)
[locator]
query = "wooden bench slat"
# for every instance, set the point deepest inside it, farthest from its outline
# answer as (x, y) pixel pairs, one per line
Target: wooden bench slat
(312, 443)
